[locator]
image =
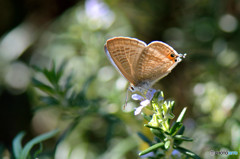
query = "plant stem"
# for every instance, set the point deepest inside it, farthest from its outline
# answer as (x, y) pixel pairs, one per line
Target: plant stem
(170, 150)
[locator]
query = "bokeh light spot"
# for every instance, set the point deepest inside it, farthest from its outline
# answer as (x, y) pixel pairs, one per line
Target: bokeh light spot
(106, 73)
(99, 14)
(199, 89)
(228, 23)
(16, 42)
(228, 58)
(229, 101)
(17, 77)
(121, 83)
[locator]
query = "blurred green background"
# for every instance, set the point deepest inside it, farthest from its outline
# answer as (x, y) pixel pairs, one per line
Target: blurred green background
(42, 32)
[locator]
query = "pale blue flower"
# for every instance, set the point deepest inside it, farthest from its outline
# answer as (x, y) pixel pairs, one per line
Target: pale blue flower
(137, 97)
(176, 153)
(145, 100)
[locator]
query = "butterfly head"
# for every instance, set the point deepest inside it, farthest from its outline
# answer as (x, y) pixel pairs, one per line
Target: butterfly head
(141, 87)
(175, 57)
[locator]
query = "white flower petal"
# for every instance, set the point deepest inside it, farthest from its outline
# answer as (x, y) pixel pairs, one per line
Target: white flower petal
(137, 97)
(138, 110)
(145, 102)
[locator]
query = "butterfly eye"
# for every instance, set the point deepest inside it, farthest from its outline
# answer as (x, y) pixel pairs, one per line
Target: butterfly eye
(172, 55)
(132, 88)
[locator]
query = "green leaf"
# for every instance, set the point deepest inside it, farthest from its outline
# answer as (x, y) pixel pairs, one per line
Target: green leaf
(49, 100)
(152, 148)
(172, 104)
(164, 106)
(45, 88)
(148, 118)
(26, 150)
(60, 70)
(51, 76)
(37, 152)
(68, 83)
(174, 129)
(36, 68)
(180, 117)
(17, 145)
(68, 131)
(181, 130)
(167, 144)
(171, 115)
(149, 126)
(182, 138)
(188, 152)
(156, 95)
(158, 133)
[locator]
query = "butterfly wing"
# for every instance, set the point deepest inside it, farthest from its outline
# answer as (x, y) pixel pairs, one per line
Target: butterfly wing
(156, 61)
(123, 54)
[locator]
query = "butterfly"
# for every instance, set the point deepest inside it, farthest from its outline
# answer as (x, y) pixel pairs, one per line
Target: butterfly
(141, 64)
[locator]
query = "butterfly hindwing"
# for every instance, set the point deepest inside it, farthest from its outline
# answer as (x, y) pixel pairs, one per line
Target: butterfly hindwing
(154, 62)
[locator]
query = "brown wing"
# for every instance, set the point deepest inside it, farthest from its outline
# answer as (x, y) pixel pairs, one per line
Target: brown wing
(124, 53)
(155, 62)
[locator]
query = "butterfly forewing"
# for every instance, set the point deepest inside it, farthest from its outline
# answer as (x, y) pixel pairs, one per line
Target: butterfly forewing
(125, 53)
(153, 63)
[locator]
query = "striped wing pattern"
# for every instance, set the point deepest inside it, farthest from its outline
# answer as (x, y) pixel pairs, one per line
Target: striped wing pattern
(140, 63)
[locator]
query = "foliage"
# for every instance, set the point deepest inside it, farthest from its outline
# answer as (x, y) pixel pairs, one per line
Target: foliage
(77, 104)
(24, 152)
(167, 139)
(62, 94)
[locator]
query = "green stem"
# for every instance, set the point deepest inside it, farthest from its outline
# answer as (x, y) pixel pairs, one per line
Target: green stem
(170, 150)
